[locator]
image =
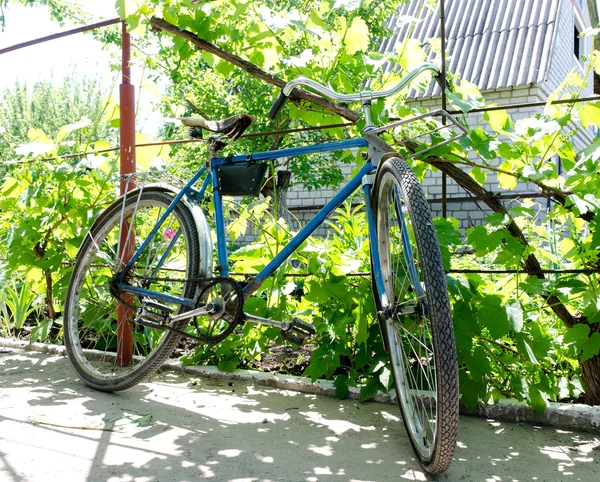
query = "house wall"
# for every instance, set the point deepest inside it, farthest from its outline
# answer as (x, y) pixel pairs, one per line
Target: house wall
(562, 61)
(468, 212)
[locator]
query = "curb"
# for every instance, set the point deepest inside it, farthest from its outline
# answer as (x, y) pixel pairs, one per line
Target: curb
(558, 415)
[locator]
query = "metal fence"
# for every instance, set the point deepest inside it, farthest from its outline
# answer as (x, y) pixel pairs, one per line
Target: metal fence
(471, 211)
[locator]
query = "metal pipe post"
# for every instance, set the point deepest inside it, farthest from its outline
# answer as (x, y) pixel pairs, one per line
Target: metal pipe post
(443, 87)
(127, 166)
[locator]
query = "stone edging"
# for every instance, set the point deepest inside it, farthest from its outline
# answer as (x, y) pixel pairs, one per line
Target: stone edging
(559, 415)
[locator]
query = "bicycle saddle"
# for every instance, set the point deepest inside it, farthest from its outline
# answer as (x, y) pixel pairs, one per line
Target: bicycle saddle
(231, 127)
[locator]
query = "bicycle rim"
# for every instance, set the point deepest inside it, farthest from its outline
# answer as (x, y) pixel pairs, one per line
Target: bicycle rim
(91, 310)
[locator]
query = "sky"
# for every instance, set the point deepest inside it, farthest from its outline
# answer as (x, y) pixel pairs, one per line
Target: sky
(57, 56)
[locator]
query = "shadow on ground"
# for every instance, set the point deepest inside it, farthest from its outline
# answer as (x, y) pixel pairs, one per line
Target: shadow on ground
(178, 428)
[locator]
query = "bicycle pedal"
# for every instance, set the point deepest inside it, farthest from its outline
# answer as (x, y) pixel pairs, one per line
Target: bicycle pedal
(298, 331)
(151, 312)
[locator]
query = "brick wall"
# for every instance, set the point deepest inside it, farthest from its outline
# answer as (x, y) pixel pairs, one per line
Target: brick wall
(561, 63)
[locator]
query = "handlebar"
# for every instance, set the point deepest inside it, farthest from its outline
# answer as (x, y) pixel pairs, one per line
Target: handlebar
(364, 96)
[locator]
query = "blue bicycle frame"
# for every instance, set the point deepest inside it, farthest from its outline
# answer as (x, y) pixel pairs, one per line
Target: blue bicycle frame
(361, 178)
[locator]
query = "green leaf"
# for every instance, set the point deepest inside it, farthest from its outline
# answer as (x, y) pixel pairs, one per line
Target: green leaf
(370, 389)
(144, 420)
(577, 335)
(591, 347)
(258, 58)
(496, 219)
(499, 120)
(483, 241)
(228, 365)
(315, 292)
(125, 8)
(341, 386)
(386, 378)
(465, 325)
(9, 188)
(471, 390)
(362, 319)
(589, 114)
(539, 340)
(478, 363)
(479, 175)
(492, 315)
(519, 387)
(480, 141)
(508, 151)
(224, 68)
(514, 313)
(317, 368)
(507, 181)
(255, 306)
(585, 203)
(525, 349)
(458, 101)
(536, 400)
(357, 36)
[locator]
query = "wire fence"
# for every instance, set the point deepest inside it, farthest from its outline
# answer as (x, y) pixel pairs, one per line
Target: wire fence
(471, 212)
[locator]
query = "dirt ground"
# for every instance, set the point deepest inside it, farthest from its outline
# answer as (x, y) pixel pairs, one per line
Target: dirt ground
(179, 428)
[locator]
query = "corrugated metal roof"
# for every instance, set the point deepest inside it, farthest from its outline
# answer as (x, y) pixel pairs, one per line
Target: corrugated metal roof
(493, 43)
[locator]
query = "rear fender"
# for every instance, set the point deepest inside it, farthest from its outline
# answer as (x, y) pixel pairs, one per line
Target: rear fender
(204, 240)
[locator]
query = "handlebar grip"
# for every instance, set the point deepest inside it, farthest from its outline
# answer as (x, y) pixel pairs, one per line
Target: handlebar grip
(277, 105)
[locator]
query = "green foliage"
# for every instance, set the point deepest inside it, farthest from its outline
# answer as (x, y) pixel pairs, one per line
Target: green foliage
(45, 208)
(341, 307)
(17, 303)
(62, 113)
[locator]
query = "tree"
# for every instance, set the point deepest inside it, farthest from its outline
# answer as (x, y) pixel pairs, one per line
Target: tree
(48, 107)
(45, 197)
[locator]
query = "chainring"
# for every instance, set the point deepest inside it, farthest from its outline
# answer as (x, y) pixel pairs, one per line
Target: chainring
(227, 298)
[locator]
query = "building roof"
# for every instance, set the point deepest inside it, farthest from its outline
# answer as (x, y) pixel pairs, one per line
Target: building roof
(493, 43)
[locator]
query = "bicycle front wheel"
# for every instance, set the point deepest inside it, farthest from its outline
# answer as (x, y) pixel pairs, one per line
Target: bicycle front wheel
(417, 315)
(96, 322)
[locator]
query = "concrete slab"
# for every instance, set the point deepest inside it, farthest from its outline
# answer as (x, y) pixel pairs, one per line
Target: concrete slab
(177, 427)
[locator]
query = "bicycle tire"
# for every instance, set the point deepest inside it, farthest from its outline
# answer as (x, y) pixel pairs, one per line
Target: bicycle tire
(90, 312)
(421, 344)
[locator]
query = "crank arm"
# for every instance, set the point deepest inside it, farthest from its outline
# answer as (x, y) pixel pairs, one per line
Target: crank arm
(205, 310)
(284, 325)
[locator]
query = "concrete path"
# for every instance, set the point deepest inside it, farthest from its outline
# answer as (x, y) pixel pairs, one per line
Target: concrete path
(179, 428)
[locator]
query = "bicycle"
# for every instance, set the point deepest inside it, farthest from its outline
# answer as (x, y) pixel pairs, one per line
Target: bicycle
(143, 277)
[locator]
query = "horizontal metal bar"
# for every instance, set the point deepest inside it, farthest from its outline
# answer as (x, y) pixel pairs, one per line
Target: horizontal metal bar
(40, 40)
(292, 152)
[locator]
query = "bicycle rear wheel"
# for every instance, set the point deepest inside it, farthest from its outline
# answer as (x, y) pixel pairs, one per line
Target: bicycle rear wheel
(417, 318)
(91, 314)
